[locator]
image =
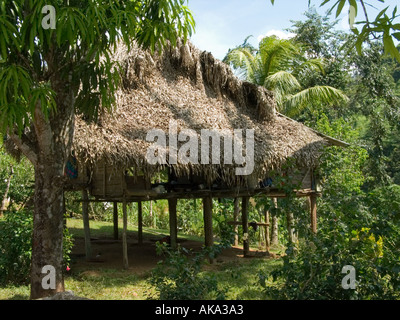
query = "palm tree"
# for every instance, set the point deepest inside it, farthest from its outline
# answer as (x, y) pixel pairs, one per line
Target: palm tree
(278, 65)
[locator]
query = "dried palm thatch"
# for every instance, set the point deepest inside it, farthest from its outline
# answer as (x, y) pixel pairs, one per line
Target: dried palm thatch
(199, 92)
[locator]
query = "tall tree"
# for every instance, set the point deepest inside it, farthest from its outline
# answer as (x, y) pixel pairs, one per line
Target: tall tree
(56, 60)
(385, 26)
(277, 65)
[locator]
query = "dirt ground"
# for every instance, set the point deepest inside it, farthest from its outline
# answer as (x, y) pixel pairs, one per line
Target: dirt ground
(107, 254)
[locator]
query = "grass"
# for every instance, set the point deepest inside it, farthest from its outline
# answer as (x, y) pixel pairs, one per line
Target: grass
(239, 279)
(101, 229)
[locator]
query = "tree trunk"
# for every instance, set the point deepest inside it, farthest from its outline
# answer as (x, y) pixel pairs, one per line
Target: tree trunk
(3, 206)
(48, 150)
(48, 222)
(274, 227)
(290, 227)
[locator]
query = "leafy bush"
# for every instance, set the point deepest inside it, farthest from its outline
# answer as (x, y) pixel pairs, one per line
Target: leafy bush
(179, 276)
(357, 229)
(22, 180)
(16, 247)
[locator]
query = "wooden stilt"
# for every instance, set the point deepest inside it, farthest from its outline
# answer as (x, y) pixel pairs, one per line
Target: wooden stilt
(173, 222)
(208, 229)
(313, 209)
(124, 236)
(140, 223)
(245, 225)
(267, 233)
(64, 210)
(86, 225)
(236, 211)
(115, 220)
(208, 224)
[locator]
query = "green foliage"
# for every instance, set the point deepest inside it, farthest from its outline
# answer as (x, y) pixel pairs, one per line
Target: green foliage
(375, 98)
(78, 51)
(386, 26)
(190, 217)
(278, 65)
(16, 247)
(353, 229)
(179, 276)
(21, 186)
(349, 234)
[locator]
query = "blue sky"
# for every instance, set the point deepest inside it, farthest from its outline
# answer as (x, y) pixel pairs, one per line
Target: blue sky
(224, 24)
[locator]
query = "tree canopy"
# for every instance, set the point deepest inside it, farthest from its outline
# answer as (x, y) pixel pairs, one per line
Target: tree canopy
(56, 61)
(277, 65)
(78, 50)
(385, 26)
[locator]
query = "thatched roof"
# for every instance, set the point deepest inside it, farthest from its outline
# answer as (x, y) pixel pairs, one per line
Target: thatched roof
(199, 92)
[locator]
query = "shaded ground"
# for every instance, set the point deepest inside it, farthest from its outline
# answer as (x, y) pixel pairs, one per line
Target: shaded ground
(107, 253)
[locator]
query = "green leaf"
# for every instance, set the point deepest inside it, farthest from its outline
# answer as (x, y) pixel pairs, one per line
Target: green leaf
(396, 35)
(390, 47)
(340, 7)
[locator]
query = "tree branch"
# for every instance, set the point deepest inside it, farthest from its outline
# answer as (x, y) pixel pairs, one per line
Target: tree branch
(25, 146)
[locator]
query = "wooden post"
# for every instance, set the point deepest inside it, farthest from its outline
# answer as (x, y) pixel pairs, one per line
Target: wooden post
(245, 225)
(115, 220)
(313, 209)
(153, 225)
(208, 227)
(267, 235)
(140, 223)
(173, 223)
(64, 210)
(86, 225)
(208, 223)
(124, 236)
(236, 211)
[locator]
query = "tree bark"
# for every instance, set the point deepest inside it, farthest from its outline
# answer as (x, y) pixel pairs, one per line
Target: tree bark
(48, 148)
(290, 227)
(48, 223)
(313, 213)
(3, 206)
(274, 227)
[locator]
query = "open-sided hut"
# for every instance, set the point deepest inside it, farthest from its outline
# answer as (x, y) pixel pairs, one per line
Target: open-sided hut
(182, 93)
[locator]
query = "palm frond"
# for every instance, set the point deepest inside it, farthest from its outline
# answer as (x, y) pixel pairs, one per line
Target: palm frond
(282, 83)
(310, 65)
(316, 95)
(243, 60)
(277, 54)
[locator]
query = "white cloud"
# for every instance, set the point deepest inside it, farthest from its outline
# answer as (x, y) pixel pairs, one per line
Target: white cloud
(279, 33)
